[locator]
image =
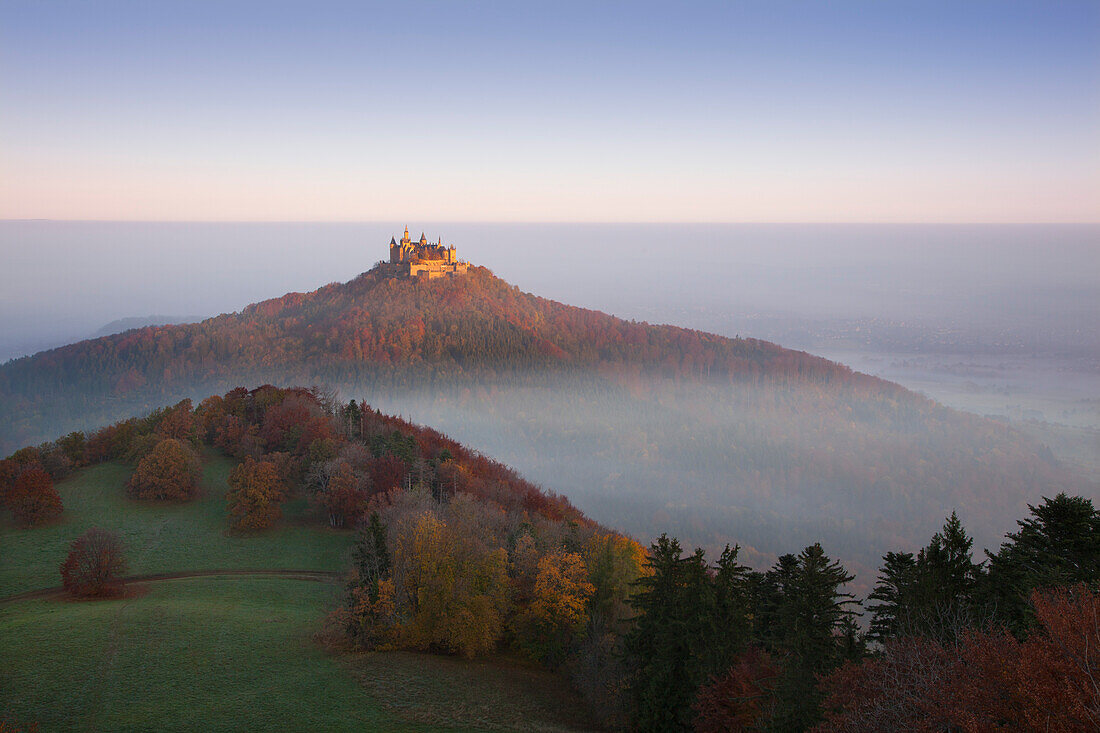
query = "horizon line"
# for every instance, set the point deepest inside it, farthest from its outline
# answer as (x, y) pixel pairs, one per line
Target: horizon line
(558, 222)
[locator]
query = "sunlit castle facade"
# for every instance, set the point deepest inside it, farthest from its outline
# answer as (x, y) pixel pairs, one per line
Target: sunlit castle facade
(423, 259)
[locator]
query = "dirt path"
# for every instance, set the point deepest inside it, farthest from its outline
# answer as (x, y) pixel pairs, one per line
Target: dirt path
(317, 576)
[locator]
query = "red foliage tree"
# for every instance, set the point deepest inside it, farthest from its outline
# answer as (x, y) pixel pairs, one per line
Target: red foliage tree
(32, 498)
(387, 473)
(991, 681)
(741, 699)
(94, 564)
(345, 498)
(170, 471)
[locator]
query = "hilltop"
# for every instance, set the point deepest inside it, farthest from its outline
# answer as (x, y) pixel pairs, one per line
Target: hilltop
(645, 427)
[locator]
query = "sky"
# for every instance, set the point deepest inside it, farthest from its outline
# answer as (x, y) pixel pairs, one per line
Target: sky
(551, 112)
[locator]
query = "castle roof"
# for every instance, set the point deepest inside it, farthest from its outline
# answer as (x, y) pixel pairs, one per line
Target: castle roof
(393, 240)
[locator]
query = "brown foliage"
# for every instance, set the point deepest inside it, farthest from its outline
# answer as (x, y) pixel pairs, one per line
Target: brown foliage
(94, 564)
(256, 493)
(178, 422)
(32, 498)
(169, 472)
(741, 699)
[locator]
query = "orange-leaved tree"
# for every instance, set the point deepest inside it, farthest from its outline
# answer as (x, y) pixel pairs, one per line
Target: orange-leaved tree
(32, 498)
(169, 471)
(94, 564)
(256, 493)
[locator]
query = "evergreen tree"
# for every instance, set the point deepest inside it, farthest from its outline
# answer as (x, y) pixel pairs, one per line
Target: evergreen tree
(1058, 545)
(690, 626)
(893, 589)
(656, 646)
(815, 620)
(942, 602)
(370, 556)
(731, 612)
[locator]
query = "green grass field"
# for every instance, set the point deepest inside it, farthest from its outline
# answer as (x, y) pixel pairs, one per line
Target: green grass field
(225, 652)
(163, 537)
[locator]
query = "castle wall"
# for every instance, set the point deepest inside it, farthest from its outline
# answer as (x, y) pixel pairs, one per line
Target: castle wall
(424, 260)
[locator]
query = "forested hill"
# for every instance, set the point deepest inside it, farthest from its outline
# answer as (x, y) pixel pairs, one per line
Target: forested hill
(646, 428)
(377, 328)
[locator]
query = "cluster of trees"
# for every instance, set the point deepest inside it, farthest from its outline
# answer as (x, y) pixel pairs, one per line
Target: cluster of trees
(26, 490)
(27, 479)
(718, 647)
(954, 644)
(289, 442)
(987, 679)
(462, 575)
(663, 640)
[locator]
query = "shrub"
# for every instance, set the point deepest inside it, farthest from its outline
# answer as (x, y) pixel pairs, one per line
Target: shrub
(94, 564)
(170, 471)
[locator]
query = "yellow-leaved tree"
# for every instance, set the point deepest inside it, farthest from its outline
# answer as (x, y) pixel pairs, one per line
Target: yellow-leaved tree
(456, 592)
(558, 611)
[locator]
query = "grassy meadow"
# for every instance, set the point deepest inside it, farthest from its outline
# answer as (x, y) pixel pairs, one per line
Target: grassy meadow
(225, 652)
(161, 537)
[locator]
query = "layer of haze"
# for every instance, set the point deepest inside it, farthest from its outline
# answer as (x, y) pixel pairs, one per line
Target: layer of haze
(631, 111)
(1024, 289)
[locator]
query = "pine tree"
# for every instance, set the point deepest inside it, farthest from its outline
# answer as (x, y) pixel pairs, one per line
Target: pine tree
(943, 600)
(370, 555)
(669, 644)
(1058, 545)
(815, 616)
(893, 589)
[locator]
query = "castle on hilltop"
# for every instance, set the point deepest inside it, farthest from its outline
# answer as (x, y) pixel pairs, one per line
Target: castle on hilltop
(422, 259)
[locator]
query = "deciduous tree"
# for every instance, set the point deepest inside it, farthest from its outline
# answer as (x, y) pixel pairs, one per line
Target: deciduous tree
(94, 564)
(255, 495)
(740, 700)
(32, 498)
(169, 472)
(558, 610)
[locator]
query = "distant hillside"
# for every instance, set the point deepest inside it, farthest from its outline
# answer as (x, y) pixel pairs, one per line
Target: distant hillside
(648, 428)
(126, 324)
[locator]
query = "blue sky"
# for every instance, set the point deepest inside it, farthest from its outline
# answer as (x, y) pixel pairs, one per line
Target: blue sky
(734, 111)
